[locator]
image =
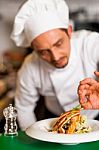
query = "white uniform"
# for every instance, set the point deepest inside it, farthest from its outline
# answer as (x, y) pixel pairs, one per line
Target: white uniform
(59, 86)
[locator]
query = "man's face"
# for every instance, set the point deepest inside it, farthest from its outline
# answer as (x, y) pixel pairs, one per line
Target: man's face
(54, 47)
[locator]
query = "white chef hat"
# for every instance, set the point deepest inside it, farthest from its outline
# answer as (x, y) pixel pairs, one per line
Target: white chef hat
(36, 17)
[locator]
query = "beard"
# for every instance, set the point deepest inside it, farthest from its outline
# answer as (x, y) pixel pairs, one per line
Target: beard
(61, 63)
(60, 67)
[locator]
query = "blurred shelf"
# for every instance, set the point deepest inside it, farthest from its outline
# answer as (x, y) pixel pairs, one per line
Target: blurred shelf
(90, 25)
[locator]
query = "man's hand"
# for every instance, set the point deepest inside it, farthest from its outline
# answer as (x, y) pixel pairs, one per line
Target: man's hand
(88, 92)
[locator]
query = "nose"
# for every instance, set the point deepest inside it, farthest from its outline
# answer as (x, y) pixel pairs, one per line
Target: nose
(55, 55)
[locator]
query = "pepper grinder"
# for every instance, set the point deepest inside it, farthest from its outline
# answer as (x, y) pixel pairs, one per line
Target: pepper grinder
(10, 114)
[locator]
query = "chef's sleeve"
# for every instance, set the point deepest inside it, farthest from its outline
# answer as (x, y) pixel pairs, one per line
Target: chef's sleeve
(26, 97)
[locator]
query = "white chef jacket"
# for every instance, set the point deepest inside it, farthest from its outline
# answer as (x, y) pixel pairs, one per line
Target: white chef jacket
(59, 86)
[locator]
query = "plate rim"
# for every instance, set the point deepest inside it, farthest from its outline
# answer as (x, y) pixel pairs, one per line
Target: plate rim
(60, 136)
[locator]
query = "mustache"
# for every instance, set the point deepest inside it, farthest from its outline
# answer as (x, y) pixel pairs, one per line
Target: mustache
(57, 61)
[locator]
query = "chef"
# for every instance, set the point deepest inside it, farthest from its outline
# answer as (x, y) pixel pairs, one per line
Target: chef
(60, 59)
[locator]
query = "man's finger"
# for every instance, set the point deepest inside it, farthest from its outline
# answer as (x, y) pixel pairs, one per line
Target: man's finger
(83, 87)
(86, 105)
(94, 101)
(82, 97)
(88, 81)
(96, 73)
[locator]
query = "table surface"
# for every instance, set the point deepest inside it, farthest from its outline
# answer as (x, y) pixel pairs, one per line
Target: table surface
(24, 142)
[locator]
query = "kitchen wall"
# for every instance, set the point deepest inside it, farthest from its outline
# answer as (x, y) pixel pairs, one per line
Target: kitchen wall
(84, 14)
(92, 6)
(8, 9)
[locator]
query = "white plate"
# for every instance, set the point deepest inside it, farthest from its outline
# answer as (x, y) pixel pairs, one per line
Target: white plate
(39, 130)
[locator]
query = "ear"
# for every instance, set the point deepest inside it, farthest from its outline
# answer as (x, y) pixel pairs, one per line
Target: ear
(69, 30)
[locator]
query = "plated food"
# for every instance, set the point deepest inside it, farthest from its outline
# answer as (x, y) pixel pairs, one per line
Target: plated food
(43, 130)
(71, 122)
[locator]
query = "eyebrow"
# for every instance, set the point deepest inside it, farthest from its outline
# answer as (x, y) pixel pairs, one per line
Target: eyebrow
(53, 45)
(58, 41)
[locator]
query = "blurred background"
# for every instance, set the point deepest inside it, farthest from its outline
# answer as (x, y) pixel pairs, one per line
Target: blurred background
(84, 14)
